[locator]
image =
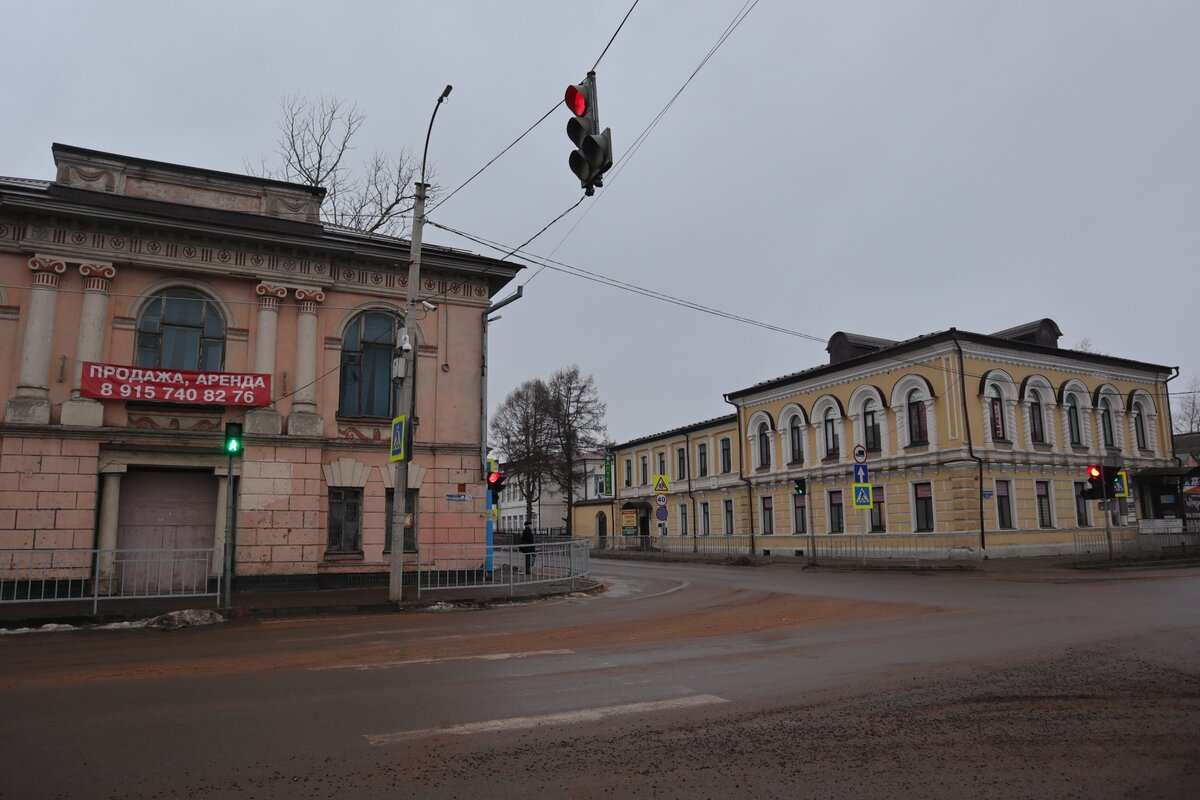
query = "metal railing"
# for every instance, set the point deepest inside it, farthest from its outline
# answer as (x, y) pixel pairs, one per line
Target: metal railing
(506, 567)
(1160, 541)
(861, 547)
(57, 575)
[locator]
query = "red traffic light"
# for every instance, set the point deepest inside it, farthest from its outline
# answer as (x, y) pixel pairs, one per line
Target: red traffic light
(576, 100)
(493, 478)
(1093, 472)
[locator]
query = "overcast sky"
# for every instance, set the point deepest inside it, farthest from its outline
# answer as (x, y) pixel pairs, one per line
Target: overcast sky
(888, 168)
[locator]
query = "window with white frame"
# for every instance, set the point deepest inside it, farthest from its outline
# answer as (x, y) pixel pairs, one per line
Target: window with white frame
(680, 463)
(683, 519)
(799, 513)
(837, 518)
(366, 370)
(795, 441)
(872, 440)
(704, 521)
(832, 448)
(878, 515)
(1106, 422)
(1139, 425)
(727, 514)
(923, 506)
(645, 470)
(918, 427)
(726, 456)
(768, 514)
(1074, 429)
(629, 472)
(702, 459)
(662, 463)
(996, 414)
(1037, 421)
(764, 445)
(1004, 512)
(1042, 493)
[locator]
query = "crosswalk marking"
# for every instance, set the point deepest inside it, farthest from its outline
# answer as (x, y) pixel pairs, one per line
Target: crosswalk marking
(408, 661)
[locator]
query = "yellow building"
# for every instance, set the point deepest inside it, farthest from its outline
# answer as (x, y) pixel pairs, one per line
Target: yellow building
(982, 439)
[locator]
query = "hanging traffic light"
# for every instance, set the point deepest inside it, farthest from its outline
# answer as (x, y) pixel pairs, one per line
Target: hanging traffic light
(801, 485)
(233, 438)
(1095, 479)
(592, 156)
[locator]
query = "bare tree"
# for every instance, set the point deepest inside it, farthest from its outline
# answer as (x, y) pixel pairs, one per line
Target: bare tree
(1185, 413)
(576, 417)
(522, 434)
(315, 140)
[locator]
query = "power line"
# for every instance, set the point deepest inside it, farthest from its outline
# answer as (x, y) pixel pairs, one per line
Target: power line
(614, 36)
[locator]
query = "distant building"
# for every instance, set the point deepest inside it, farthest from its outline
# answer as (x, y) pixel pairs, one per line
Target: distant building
(960, 432)
(549, 503)
(146, 304)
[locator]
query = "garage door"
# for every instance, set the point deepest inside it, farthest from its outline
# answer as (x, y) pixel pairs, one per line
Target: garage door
(164, 510)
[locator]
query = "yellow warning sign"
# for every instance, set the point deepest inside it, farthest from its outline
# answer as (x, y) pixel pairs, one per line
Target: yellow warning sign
(661, 484)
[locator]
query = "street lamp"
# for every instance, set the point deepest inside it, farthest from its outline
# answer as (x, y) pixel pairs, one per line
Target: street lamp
(404, 387)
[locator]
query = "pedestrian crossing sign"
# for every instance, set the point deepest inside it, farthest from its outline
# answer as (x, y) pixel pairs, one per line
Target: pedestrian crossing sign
(862, 495)
(1121, 484)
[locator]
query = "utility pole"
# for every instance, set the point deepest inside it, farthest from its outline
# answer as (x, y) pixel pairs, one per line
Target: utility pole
(405, 354)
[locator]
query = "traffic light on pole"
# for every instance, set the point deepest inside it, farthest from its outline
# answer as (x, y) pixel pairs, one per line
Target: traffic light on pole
(592, 156)
(1095, 478)
(801, 485)
(495, 482)
(233, 438)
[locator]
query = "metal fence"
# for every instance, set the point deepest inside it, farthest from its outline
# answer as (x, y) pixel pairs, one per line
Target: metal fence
(1160, 541)
(861, 547)
(50, 575)
(504, 567)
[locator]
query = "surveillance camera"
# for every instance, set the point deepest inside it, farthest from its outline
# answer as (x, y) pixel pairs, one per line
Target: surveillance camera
(405, 344)
(428, 306)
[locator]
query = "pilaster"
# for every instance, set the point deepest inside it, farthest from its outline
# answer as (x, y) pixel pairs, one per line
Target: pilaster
(31, 404)
(97, 278)
(304, 419)
(266, 420)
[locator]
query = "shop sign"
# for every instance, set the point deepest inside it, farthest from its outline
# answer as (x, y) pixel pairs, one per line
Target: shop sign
(118, 382)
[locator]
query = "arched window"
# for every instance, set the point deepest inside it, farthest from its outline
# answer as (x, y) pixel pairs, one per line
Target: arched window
(918, 428)
(366, 388)
(831, 433)
(181, 329)
(1106, 422)
(764, 445)
(796, 440)
(996, 412)
(870, 426)
(1073, 420)
(1139, 426)
(1037, 424)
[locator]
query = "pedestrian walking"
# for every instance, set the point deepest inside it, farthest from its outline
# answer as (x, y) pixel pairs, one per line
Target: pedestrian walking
(527, 547)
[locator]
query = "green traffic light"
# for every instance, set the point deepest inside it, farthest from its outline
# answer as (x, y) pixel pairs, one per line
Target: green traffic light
(233, 445)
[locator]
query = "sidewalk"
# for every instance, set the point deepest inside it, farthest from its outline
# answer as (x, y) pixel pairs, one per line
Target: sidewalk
(275, 604)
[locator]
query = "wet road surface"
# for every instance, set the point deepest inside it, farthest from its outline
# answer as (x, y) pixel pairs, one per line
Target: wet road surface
(681, 680)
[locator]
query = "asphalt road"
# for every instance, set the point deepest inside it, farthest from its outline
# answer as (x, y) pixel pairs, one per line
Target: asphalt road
(681, 680)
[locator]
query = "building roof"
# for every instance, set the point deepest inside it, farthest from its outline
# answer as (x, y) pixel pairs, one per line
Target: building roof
(69, 197)
(924, 340)
(708, 423)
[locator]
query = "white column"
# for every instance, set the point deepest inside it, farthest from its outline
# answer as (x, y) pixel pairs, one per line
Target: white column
(31, 404)
(90, 345)
(110, 504)
(266, 420)
(304, 419)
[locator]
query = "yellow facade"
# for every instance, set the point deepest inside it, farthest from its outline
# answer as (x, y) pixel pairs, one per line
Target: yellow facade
(985, 437)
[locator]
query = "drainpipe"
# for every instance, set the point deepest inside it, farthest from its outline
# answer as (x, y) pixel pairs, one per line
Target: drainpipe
(742, 472)
(1170, 418)
(962, 392)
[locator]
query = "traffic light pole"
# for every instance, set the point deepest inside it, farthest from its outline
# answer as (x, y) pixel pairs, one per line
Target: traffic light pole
(404, 392)
(228, 578)
(1107, 513)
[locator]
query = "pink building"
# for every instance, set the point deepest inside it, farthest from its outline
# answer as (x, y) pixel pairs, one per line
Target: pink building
(144, 304)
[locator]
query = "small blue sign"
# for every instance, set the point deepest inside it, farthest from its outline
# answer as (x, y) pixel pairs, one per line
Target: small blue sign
(398, 426)
(862, 474)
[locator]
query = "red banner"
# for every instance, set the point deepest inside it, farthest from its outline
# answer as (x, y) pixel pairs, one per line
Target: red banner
(116, 382)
